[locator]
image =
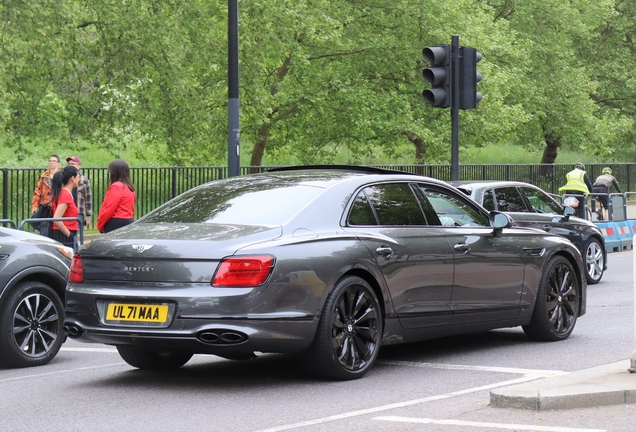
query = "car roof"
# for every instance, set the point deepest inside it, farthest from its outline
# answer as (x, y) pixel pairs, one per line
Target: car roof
(330, 174)
(483, 184)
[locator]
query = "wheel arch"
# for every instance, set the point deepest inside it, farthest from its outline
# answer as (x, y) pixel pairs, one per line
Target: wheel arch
(371, 280)
(40, 274)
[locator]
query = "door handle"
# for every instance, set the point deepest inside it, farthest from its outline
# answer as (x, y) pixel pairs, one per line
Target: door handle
(462, 247)
(384, 250)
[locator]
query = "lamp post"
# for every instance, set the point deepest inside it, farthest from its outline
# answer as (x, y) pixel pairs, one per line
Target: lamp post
(233, 120)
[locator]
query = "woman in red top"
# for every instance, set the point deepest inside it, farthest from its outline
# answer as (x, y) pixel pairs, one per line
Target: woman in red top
(63, 205)
(118, 208)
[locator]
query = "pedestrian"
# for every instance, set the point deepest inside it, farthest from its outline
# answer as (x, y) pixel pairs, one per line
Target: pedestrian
(42, 193)
(63, 206)
(602, 185)
(118, 207)
(82, 195)
(578, 184)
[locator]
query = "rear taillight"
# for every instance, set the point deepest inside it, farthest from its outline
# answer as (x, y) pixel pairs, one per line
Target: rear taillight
(244, 271)
(76, 275)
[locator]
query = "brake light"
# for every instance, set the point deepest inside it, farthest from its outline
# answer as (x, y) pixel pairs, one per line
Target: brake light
(243, 271)
(76, 274)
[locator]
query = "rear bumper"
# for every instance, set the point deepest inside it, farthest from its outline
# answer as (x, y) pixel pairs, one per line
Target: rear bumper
(197, 336)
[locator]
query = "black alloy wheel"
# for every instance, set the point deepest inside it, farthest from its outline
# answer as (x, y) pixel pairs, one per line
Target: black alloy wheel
(558, 302)
(594, 261)
(349, 334)
(31, 320)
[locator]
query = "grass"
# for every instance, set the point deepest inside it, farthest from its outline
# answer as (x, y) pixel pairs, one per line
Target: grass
(490, 154)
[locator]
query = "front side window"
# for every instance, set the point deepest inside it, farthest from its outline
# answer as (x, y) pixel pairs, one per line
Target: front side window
(452, 210)
(392, 204)
(541, 202)
(510, 200)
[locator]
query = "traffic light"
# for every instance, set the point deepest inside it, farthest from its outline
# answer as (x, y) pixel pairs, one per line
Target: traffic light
(439, 75)
(468, 78)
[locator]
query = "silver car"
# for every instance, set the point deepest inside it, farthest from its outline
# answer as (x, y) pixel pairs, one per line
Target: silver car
(33, 274)
(328, 263)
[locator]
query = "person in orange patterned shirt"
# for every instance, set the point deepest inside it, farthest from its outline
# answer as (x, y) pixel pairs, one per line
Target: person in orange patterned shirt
(42, 193)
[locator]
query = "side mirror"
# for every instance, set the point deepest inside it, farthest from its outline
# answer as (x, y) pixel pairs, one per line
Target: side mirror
(499, 221)
(567, 212)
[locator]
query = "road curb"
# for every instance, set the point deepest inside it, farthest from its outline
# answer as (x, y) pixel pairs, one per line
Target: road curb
(610, 384)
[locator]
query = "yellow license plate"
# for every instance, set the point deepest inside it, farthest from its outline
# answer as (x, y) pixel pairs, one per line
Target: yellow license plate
(137, 312)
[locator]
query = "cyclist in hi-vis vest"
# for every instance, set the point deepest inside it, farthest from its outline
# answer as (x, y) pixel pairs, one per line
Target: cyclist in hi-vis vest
(601, 186)
(578, 184)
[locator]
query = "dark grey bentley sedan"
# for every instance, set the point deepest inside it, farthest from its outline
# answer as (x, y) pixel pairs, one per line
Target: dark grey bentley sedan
(330, 263)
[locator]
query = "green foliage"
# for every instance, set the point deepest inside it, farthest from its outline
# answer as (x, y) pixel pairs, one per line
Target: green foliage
(321, 81)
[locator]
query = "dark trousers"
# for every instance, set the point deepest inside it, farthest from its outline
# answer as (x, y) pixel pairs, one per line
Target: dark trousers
(115, 223)
(66, 241)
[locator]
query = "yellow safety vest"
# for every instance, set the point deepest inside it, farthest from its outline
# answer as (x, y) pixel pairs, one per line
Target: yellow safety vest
(576, 181)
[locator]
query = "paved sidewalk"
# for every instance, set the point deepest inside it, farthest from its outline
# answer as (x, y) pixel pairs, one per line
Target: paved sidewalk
(610, 384)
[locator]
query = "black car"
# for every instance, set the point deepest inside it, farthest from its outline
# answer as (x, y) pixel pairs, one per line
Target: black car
(328, 263)
(33, 274)
(530, 206)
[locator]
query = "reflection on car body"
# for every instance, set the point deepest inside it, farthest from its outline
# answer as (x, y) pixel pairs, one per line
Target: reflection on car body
(530, 206)
(327, 263)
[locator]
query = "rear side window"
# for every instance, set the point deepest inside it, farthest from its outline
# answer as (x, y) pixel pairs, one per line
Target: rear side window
(510, 200)
(361, 211)
(489, 200)
(389, 204)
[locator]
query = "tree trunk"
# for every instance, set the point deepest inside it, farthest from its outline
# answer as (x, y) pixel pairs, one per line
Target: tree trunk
(259, 146)
(420, 148)
(551, 150)
(263, 132)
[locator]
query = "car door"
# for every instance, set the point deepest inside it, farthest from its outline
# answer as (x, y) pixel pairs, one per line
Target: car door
(535, 209)
(414, 257)
(489, 270)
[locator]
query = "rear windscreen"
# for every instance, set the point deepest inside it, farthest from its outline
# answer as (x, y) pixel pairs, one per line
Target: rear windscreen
(236, 202)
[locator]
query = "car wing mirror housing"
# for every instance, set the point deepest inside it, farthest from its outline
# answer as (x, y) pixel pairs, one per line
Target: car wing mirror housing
(499, 221)
(567, 212)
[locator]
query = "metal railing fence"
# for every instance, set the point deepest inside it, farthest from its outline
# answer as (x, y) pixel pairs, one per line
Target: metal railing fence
(156, 185)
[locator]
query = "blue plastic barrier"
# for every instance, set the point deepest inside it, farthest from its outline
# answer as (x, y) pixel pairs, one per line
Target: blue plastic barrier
(612, 242)
(624, 233)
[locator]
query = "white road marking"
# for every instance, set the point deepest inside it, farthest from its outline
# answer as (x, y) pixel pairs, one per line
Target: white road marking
(539, 372)
(397, 405)
(509, 426)
(70, 349)
(60, 372)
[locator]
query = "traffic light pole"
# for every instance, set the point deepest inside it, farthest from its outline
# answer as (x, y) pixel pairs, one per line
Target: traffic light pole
(455, 108)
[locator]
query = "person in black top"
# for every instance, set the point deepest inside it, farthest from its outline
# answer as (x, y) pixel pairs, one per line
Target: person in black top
(602, 185)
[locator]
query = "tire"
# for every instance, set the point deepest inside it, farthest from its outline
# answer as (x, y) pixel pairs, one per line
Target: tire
(594, 261)
(31, 319)
(142, 358)
(558, 302)
(349, 333)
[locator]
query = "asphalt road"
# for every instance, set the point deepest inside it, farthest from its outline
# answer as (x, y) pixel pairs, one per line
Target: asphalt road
(440, 385)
